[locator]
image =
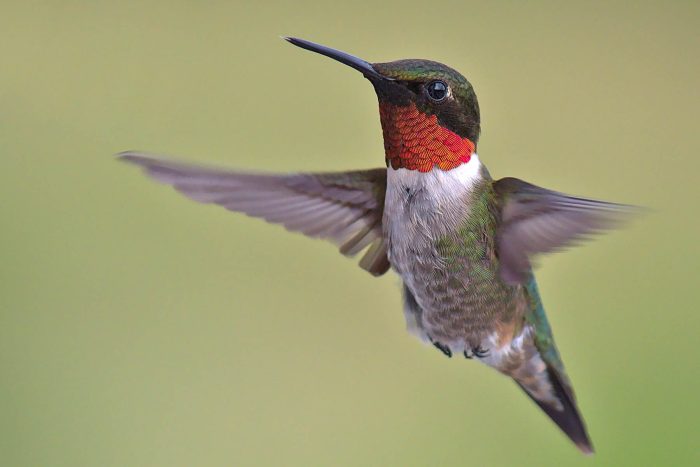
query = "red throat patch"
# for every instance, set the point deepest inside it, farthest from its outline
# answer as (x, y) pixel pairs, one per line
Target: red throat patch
(415, 141)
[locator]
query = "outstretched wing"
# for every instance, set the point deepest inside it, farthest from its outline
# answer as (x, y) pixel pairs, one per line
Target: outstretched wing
(345, 208)
(536, 220)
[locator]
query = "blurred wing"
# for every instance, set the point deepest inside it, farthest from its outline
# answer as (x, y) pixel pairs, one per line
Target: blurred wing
(536, 220)
(345, 208)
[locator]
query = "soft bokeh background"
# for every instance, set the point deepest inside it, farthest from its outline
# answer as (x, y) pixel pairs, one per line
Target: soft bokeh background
(138, 328)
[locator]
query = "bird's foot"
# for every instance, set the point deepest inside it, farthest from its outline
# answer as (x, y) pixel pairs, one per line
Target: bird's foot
(478, 352)
(442, 347)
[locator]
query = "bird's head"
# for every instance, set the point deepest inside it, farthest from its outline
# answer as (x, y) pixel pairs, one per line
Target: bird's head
(429, 112)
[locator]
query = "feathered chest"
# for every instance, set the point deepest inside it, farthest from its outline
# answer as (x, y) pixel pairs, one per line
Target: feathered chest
(423, 208)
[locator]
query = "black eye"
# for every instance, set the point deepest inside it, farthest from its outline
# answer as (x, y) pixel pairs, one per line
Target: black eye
(437, 90)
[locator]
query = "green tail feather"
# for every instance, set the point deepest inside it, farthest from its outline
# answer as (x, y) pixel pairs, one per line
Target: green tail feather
(567, 417)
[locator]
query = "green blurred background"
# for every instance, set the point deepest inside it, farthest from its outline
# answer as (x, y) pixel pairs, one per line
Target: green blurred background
(140, 329)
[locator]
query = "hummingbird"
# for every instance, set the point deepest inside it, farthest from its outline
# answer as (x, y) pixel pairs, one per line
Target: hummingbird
(462, 243)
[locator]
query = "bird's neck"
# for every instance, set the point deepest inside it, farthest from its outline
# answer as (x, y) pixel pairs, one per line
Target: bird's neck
(441, 186)
(416, 141)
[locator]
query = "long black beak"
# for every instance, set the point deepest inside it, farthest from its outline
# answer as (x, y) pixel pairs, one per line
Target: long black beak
(360, 65)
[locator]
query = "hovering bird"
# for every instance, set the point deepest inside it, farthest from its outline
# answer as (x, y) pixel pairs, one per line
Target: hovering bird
(461, 242)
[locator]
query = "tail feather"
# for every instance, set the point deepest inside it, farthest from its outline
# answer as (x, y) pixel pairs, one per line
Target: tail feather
(545, 380)
(566, 415)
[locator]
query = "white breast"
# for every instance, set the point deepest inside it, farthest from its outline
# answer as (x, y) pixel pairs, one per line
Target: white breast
(439, 182)
(422, 207)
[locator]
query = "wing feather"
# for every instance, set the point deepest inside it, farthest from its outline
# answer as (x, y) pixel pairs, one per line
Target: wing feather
(345, 208)
(536, 220)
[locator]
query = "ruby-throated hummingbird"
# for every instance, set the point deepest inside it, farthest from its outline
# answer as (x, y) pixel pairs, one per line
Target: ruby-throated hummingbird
(461, 241)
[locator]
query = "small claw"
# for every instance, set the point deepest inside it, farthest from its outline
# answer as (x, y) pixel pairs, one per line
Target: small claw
(466, 355)
(443, 348)
(480, 352)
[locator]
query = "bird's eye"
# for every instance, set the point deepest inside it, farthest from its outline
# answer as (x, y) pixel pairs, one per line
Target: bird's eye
(437, 90)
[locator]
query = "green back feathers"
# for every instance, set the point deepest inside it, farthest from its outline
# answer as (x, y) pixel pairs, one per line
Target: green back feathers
(544, 339)
(471, 250)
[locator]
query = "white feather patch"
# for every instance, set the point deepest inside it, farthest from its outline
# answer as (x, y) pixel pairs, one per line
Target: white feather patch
(446, 182)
